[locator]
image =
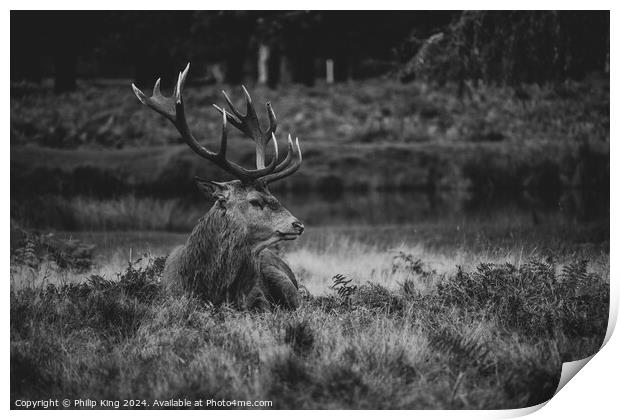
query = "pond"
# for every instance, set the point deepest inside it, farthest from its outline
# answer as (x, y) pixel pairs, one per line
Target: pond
(370, 208)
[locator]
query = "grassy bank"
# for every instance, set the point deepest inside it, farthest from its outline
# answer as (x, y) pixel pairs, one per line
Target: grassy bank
(476, 317)
(364, 135)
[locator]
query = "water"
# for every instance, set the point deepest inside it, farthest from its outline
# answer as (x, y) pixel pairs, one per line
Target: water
(352, 209)
(407, 208)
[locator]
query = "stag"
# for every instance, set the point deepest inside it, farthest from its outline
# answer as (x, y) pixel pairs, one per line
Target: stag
(226, 258)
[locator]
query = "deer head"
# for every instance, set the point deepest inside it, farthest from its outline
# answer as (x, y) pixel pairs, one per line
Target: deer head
(246, 200)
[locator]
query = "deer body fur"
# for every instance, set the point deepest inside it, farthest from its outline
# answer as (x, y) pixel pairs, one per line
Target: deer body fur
(217, 265)
(226, 257)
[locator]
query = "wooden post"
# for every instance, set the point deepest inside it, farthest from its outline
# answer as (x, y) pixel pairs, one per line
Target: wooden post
(263, 58)
(329, 71)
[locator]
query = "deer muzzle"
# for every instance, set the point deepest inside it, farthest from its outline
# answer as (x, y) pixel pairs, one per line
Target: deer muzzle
(297, 228)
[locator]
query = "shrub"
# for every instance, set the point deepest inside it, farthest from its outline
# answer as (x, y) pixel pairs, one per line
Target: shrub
(110, 307)
(141, 283)
(31, 249)
(533, 299)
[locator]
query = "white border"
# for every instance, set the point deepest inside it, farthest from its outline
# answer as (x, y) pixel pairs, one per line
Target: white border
(592, 394)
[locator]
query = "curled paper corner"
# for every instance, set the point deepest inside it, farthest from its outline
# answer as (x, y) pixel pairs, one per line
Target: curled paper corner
(521, 412)
(569, 370)
(613, 316)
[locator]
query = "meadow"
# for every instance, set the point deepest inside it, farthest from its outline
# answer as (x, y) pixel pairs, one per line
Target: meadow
(419, 290)
(469, 310)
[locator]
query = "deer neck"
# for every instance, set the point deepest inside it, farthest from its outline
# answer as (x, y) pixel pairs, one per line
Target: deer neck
(218, 260)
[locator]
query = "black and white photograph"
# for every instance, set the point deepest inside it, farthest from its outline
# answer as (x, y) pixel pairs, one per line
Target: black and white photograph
(306, 209)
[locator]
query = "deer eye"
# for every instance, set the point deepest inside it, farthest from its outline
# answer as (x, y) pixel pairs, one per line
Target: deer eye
(256, 203)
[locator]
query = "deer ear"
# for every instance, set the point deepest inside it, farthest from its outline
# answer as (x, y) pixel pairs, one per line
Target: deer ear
(217, 190)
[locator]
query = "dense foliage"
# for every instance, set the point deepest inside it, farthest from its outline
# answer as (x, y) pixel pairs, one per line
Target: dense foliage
(511, 47)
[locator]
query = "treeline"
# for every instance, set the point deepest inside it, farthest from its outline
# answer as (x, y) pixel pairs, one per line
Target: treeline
(511, 47)
(274, 47)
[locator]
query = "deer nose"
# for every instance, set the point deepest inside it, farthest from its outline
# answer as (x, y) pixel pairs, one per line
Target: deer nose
(297, 225)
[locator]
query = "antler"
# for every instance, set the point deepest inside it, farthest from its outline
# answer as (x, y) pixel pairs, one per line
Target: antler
(250, 126)
(173, 109)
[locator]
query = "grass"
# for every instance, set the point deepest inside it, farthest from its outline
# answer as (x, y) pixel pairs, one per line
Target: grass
(384, 323)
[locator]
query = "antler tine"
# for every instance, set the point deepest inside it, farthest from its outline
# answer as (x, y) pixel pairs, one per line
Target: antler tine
(180, 83)
(173, 109)
(224, 138)
(276, 175)
(156, 91)
(231, 117)
(236, 115)
(273, 122)
(289, 154)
